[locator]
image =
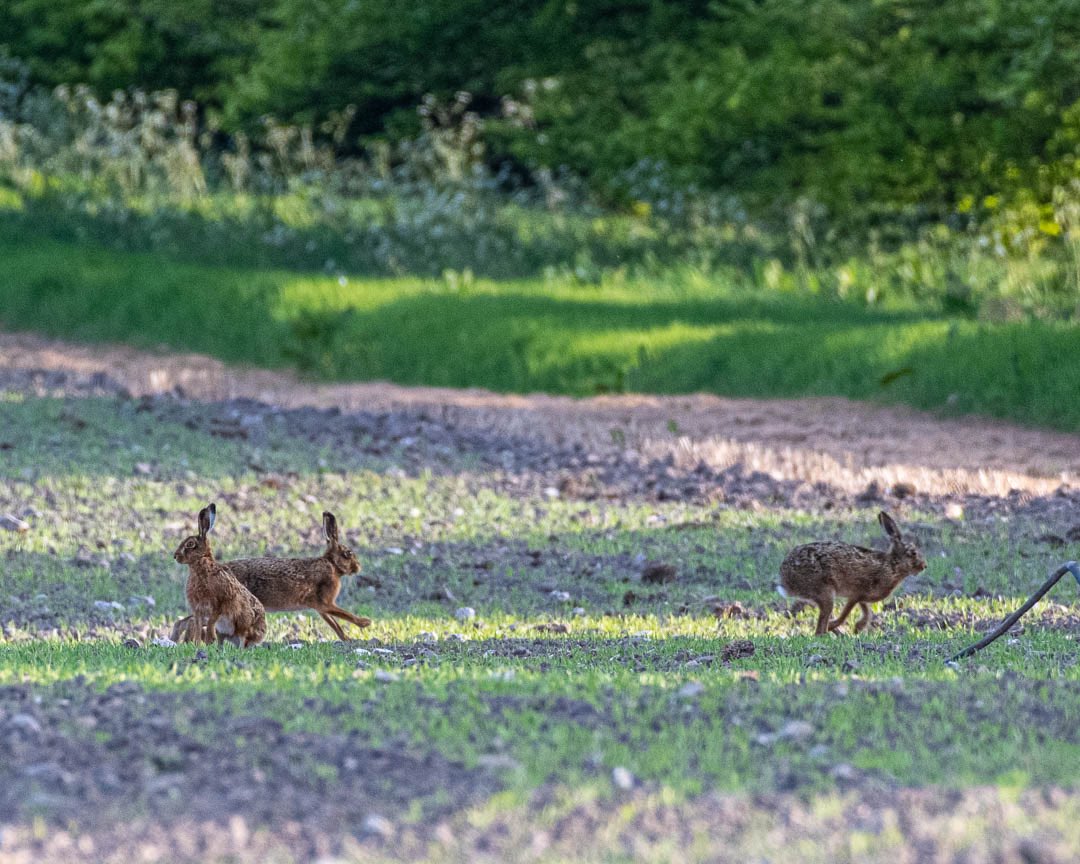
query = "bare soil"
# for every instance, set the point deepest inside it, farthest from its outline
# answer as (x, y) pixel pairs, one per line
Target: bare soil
(850, 445)
(169, 768)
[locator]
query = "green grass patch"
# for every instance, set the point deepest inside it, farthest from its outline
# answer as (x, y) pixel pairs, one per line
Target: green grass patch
(674, 332)
(537, 695)
(574, 720)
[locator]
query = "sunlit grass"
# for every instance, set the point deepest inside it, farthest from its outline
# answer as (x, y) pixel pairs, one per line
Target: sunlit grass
(550, 688)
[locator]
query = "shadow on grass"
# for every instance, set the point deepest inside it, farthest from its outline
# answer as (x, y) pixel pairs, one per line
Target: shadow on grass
(510, 336)
(521, 336)
(1023, 372)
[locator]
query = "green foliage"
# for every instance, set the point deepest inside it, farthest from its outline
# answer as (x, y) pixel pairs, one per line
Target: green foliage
(904, 104)
(905, 108)
(196, 46)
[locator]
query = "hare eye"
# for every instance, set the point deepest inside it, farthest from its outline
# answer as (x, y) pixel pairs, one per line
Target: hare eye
(190, 544)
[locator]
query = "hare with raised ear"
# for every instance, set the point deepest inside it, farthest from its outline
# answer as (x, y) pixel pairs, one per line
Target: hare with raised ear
(213, 593)
(294, 584)
(819, 572)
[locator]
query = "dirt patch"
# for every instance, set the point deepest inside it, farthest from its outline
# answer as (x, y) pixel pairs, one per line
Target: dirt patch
(99, 761)
(902, 826)
(852, 446)
(890, 825)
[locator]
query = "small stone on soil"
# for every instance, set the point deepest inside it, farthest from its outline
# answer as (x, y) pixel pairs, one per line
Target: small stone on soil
(13, 523)
(378, 826)
(796, 730)
(622, 778)
(498, 762)
(25, 723)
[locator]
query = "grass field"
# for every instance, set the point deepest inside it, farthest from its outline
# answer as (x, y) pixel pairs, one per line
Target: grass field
(677, 331)
(526, 693)
(693, 720)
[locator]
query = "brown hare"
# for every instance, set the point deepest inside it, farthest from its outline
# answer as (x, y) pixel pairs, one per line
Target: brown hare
(293, 584)
(214, 594)
(818, 572)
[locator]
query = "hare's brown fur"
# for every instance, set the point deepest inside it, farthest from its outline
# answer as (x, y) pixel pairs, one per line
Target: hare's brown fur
(819, 572)
(214, 593)
(293, 584)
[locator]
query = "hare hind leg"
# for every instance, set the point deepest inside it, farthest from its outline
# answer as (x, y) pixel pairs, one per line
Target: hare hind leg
(181, 630)
(333, 625)
(193, 631)
(825, 606)
(842, 617)
(338, 612)
(866, 619)
(257, 632)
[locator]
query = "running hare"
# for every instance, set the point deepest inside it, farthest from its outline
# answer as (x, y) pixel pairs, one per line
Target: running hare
(818, 572)
(214, 595)
(292, 584)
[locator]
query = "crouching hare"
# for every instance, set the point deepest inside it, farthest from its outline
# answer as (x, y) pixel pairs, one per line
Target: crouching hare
(219, 604)
(819, 572)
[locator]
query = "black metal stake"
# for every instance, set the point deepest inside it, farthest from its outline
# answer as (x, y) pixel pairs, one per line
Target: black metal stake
(1067, 567)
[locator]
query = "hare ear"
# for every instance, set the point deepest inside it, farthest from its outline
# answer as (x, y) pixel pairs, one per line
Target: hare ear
(330, 529)
(889, 526)
(207, 518)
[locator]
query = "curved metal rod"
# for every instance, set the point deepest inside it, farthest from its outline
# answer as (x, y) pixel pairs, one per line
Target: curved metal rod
(1067, 567)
